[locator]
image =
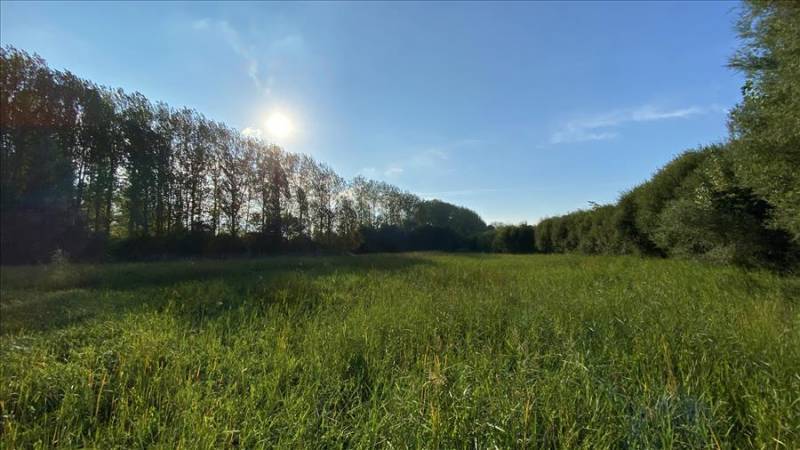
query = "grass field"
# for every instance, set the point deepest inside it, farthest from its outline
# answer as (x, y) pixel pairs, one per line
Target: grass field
(412, 350)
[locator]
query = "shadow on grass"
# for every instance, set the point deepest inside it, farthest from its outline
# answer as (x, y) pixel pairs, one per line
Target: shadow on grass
(48, 298)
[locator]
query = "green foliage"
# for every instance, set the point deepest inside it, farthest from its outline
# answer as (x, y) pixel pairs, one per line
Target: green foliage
(765, 126)
(595, 231)
(84, 167)
(442, 214)
(389, 238)
(513, 239)
(36, 153)
(735, 203)
(715, 217)
(400, 351)
(650, 198)
(693, 207)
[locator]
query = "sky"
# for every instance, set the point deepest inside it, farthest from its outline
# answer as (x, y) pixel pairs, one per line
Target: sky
(518, 111)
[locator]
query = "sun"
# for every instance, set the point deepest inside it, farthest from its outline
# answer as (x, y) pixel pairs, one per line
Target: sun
(279, 126)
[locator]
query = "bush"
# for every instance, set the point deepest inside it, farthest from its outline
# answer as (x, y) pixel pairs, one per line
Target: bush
(514, 239)
(225, 245)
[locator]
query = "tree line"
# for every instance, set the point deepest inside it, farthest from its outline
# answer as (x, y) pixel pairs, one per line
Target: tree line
(97, 172)
(93, 172)
(736, 202)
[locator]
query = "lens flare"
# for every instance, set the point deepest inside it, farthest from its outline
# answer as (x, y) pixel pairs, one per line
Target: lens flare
(279, 126)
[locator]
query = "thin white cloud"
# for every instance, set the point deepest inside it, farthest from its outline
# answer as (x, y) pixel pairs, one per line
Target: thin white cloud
(603, 126)
(424, 158)
(201, 24)
(291, 43)
(648, 113)
(253, 132)
(430, 157)
(393, 171)
(571, 134)
(368, 172)
(233, 38)
(459, 193)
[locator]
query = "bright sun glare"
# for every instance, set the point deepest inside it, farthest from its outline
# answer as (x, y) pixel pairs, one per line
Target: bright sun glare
(279, 126)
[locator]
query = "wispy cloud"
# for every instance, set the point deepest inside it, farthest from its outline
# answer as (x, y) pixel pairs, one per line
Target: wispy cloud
(460, 192)
(253, 132)
(292, 43)
(604, 126)
(201, 24)
(234, 40)
(421, 158)
(576, 134)
(429, 157)
(393, 171)
(368, 172)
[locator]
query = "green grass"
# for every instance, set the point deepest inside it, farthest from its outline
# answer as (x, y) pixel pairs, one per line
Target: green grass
(412, 350)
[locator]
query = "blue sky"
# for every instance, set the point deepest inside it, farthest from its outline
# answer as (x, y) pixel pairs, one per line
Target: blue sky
(516, 110)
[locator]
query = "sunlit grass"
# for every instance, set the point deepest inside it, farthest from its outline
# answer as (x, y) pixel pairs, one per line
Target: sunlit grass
(408, 350)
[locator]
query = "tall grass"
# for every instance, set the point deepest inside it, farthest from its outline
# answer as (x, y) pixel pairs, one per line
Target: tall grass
(409, 350)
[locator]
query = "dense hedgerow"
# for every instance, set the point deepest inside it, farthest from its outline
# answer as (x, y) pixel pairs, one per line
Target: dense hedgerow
(737, 202)
(694, 207)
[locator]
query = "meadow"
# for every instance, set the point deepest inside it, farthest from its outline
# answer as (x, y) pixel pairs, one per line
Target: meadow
(396, 351)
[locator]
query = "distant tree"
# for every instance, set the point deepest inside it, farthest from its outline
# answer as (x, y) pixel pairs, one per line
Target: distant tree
(514, 239)
(325, 186)
(235, 166)
(348, 228)
(82, 164)
(272, 183)
(440, 214)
